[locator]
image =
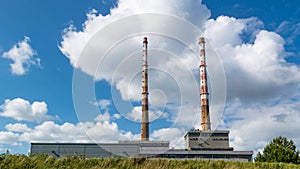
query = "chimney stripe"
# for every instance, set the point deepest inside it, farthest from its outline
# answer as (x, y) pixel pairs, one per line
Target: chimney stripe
(203, 88)
(145, 107)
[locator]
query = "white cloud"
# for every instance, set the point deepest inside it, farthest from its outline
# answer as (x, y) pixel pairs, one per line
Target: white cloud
(103, 117)
(226, 30)
(255, 70)
(215, 30)
(7, 137)
(102, 103)
(290, 29)
(80, 132)
(174, 135)
(17, 127)
(253, 127)
(21, 109)
(99, 132)
(22, 56)
(104, 111)
(74, 41)
(136, 114)
(117, 116)
(117, 66)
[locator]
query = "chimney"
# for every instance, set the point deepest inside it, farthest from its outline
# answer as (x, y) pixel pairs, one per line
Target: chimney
(203, 88)
(145, 114)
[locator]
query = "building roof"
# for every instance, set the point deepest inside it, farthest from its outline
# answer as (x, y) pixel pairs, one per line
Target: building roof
(183, 151)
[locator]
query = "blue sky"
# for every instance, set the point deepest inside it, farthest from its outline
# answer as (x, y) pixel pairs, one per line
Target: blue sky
(256, 42)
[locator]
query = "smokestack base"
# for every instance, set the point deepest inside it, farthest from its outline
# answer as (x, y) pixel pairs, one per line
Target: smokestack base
(145, 131)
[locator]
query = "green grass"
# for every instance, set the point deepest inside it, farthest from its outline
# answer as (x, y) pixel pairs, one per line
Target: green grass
(45, 161)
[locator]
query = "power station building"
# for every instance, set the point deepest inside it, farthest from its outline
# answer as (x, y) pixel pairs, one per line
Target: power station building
(200, 144)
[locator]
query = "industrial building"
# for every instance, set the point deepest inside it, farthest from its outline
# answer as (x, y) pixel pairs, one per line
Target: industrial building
(200, 144)
(120, 149)
(207, 140)
(150, 149)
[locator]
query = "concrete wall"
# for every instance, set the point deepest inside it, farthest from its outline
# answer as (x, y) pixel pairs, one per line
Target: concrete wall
(198, 139)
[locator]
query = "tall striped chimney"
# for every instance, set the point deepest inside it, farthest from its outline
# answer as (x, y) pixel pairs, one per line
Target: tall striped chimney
(203, 87)
(145, 114)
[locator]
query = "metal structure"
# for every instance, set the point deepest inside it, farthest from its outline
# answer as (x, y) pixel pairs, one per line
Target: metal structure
(145, 107)
(203, 88)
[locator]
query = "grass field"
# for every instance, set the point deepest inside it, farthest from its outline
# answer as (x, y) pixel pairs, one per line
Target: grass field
(45, 161)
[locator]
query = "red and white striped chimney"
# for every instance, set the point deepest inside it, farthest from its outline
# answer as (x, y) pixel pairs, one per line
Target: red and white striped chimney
(203, 88)
(145, 114)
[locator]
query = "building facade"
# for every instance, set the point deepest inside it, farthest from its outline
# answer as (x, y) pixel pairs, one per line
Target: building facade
(125, 149)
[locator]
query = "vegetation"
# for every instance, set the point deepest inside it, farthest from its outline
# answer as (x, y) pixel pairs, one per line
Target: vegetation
(279, 150)
(45, 161)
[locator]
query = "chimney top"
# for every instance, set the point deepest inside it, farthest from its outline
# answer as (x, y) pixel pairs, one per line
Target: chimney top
(201, 40)
(145, 40)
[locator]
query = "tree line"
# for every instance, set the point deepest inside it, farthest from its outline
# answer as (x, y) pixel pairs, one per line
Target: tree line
(280, 149)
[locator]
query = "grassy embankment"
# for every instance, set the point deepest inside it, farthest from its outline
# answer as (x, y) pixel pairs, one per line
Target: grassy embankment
(44, 161)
